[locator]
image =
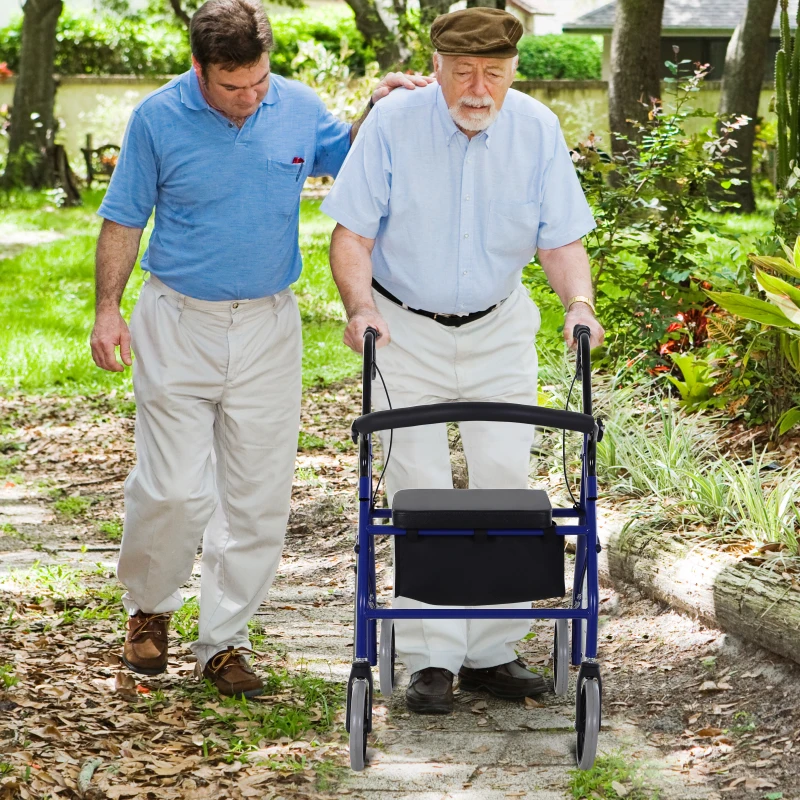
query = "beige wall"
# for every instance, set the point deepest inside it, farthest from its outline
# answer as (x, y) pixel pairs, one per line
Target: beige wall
(582, 106)
(101, 106)
(97, 105)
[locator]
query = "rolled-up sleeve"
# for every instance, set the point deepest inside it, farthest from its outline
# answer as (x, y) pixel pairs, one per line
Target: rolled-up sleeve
(133, 188)
(359, 199)
(333, 142)
(565, 215)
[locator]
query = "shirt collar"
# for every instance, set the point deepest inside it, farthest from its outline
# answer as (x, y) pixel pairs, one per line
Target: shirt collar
(192, 96)
(450, 128)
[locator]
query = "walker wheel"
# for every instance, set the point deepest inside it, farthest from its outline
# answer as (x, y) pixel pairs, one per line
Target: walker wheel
(359, 697)
(588, 721)
(561, 657)
(386, 658)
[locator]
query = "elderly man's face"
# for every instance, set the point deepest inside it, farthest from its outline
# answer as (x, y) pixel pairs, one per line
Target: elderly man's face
(239, 92)
(474, 88)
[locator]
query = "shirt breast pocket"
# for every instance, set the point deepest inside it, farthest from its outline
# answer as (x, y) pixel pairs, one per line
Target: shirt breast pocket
(513, 230)
(284, 184)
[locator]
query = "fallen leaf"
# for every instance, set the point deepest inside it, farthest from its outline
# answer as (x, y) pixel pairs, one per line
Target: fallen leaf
(531, 703)
(621, 790)
(707, 733)
(124, 682)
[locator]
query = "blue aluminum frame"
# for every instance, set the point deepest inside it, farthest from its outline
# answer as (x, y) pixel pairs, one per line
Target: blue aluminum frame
(368, 612)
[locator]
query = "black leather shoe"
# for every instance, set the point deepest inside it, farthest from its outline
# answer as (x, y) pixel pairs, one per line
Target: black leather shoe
(511, 681)
(430, 691)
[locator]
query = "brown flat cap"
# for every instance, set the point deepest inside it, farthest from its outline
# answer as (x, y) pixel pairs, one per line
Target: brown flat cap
(484, 32)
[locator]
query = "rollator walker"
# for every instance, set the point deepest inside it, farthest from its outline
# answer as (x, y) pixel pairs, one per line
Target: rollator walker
(499, 546)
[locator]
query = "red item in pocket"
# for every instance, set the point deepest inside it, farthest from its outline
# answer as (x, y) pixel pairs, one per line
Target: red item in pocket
(298, 160)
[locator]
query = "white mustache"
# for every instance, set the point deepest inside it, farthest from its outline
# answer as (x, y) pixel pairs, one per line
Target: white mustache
(476, 102)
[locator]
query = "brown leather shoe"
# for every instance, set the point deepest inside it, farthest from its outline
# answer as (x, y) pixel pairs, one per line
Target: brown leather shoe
(430, 691)
(511, 681)
(145, 649)
(229, 671)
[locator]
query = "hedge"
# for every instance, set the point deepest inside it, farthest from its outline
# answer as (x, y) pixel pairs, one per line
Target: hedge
(560, 56)
(111, 45)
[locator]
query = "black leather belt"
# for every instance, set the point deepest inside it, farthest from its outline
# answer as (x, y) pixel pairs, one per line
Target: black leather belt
(451, 320)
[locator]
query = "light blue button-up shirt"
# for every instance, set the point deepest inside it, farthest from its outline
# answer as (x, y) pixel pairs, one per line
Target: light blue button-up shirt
(227, 200)
(454, 219)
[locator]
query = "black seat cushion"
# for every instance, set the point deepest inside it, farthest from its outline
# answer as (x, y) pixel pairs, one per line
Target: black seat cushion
(453, 509)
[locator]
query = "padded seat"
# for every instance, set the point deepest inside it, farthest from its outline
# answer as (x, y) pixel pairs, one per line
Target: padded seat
(470, 509)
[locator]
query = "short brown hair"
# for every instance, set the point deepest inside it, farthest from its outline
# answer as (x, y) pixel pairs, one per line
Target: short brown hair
(230, 34)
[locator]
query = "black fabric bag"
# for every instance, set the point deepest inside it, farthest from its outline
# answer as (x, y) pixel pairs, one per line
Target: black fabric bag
(476, 569)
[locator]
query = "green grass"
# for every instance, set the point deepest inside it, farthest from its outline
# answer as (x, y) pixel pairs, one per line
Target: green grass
(609, 774)
(47, 303)
(184, 620)
(7, 676)
(71, 507)
(112, 528)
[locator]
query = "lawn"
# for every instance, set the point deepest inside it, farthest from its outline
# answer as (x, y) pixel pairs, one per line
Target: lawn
(47, 296)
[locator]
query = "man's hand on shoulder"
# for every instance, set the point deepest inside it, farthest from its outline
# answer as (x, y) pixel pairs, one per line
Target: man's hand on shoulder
(111, 331)
(399, 80)
(581, 314)
(359, 322)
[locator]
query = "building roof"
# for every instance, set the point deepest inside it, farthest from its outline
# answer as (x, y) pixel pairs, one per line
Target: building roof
(683, 17)
(529, 8)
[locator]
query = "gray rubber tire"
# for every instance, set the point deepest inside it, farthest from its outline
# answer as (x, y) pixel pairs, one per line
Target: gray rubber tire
(386, 658)
(587, 738)
(358, 717)
(561, 655)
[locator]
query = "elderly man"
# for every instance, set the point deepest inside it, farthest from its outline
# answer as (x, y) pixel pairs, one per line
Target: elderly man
(445, 196)
(222, 153)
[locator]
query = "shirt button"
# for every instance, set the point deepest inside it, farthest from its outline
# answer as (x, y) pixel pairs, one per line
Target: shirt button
(466, 236)
(467, 197)
(466, 272)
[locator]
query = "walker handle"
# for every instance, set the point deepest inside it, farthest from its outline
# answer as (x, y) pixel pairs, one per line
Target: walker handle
(370, 372)
(581, 334)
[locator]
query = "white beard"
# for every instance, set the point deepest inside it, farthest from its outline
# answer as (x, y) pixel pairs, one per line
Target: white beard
(470, 121)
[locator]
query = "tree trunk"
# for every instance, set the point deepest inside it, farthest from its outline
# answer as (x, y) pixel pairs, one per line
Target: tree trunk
(749, 600)
(376, 32)
(430, 9)
(32, 133)
(501, 4)
(635, 66)
(741, 87)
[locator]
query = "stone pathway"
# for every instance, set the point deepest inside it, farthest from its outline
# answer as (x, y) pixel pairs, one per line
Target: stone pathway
(487, 750)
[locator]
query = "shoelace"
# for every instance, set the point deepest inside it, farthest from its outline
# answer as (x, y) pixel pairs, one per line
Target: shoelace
(224, 659)
(138, 632)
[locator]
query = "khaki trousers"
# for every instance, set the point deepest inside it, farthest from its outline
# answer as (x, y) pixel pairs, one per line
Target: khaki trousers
(491, 359)
(216, 379)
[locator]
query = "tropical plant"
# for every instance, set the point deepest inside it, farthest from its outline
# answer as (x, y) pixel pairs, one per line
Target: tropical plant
(781, 309)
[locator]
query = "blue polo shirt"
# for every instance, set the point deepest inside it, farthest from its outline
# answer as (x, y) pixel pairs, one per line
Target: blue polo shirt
(227, 200)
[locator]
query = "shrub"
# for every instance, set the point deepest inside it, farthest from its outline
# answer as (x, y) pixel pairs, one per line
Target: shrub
(326, 26)
(90, 44)
(649, 204)
(108, 45)
(568, 57)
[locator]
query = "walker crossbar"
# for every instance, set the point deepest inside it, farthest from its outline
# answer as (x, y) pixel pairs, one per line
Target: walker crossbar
(470, 411)
(560, 530)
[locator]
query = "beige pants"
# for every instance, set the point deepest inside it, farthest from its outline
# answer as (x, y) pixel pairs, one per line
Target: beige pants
(493, 359)
(218, 378)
